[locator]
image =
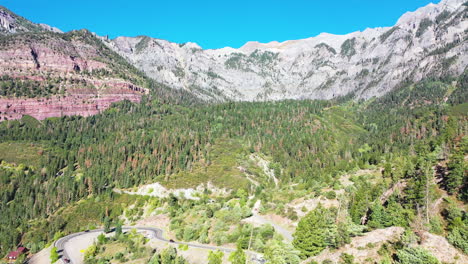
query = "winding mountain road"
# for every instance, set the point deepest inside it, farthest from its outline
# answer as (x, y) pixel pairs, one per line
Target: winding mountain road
(259, 219)
(68, 251)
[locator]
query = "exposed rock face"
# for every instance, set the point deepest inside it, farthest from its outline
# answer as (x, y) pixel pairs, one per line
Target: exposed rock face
(442, 249)
(78, 74)
(359, 247)
(56, 106)
(12, 23)
(428, 42)
(35, 57)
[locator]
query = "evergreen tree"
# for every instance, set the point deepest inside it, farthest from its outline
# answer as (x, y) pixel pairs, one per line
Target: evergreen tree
(418, 190)
(313, 232)
(457, 172)
(378, 217)
(107, 224)
(277, 252)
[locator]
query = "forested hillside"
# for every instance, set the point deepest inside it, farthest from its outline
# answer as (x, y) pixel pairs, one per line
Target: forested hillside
(64, 167)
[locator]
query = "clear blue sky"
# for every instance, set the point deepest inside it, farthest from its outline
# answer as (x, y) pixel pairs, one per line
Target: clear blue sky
(215, 23)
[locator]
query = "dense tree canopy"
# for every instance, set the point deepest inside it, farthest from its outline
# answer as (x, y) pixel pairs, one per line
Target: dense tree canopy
(310, 142)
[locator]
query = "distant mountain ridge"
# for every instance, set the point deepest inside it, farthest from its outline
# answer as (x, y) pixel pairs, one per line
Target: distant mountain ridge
(428, 42)
(38, 61)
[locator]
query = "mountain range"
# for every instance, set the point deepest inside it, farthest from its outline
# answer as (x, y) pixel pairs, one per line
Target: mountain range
(428, 42)
(139, 150)
(82, 73)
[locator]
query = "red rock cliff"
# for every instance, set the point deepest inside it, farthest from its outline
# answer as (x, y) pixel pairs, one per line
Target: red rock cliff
(86, 76)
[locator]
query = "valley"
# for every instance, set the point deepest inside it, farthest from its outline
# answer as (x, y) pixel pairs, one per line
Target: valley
(332, 149)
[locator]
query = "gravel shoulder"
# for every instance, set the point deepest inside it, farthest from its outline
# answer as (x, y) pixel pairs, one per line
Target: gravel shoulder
(257, 220)
(41, 257)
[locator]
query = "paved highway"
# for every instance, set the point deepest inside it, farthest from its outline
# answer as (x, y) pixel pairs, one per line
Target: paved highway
(156, 234)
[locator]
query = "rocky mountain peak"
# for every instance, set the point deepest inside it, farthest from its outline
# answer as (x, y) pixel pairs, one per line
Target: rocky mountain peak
(430, 41)
(11, 23)
(431, 11)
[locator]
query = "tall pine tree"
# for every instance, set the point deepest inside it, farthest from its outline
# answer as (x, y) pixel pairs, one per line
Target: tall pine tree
(313, 232)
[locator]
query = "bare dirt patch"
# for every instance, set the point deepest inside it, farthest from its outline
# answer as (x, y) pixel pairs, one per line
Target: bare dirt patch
(442, 249)
(363, 247)
(311, 204)
(265, 165)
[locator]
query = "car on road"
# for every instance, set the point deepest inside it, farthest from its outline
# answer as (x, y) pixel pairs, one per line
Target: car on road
(66, 260)
(171, 240)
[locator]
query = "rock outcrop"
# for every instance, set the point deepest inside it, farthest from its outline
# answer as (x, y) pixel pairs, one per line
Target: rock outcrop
(12, 23)
(56, 106)
(442, 249)
(363, 247)
(49, 74)
(429, 42)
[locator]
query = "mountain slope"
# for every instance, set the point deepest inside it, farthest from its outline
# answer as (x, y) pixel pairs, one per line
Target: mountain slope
(426, 43)
(310, 147)
(49, 74)
(11, 23)
(45, 73)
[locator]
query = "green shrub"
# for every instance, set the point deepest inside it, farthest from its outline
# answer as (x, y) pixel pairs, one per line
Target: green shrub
(183, 247)
(330, 195)
(347, 258)
(238, 256)
(415, 255)
(215, 257)
(459, 238)
(279, 252)
(436, 225)
(54, 256)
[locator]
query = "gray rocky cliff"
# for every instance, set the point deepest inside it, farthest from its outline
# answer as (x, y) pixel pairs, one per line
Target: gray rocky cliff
(430, 42)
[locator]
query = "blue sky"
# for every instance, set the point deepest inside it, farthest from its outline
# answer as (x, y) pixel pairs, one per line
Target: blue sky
(215, 23)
